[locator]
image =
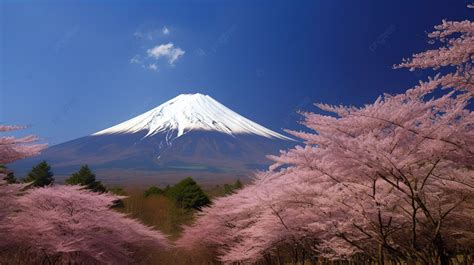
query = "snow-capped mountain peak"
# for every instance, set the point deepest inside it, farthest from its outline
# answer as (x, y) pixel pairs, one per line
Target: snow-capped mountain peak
(188, 112)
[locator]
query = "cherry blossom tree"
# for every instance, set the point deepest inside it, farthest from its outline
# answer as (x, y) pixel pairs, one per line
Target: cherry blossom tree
(70, 223)
(277, 213)
(8, 194)
(12, 149)
(389, 180)
(216, 226)
(64, 223)
(456, 51)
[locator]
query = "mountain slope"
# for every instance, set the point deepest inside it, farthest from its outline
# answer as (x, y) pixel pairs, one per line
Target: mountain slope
(190, 135)
(188, 112)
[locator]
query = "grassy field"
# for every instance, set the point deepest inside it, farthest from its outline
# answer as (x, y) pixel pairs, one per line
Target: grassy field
(160, 211)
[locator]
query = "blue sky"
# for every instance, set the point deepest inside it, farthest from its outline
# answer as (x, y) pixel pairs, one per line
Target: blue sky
(71, 68)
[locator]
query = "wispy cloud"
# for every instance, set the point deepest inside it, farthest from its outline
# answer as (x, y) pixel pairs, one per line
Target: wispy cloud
(153, 67)
(152, 33)
(168, 51)
(165, 30)
(136, 59)
(148, 35)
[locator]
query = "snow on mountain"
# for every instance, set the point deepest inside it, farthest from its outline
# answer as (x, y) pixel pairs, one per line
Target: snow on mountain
(190, 135)
(191, 112)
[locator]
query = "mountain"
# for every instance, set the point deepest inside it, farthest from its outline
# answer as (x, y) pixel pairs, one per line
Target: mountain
(189, 135)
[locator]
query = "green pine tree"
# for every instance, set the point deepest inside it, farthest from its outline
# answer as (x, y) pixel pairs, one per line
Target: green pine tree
(231, 188)
(117, 191)
(153, 190)
(86, 177)
(40, 175)
(188, 194)
(238, 185)
(9, 176)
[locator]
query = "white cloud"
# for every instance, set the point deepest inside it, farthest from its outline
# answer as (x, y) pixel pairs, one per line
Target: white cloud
(147, 35)
(136, 59)
(152, 33)
(167, 51)
(153, 67)
(138, 35)
(165, 31)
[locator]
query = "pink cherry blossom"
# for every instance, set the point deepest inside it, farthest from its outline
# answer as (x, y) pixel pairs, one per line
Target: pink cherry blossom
(12, 149)
(73, 223)
(389, 180)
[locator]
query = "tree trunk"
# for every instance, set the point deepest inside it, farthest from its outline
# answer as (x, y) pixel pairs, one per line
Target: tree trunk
(302, 257)
(268, 259)
(443, 258)
(279, 262)
(380, 255)
(295, 256)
